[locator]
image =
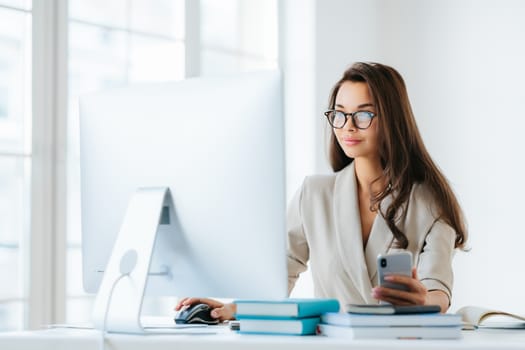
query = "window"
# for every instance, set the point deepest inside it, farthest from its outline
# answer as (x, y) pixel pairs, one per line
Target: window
(117, 42)
(15, 160)
(110, 43)
(238, 36)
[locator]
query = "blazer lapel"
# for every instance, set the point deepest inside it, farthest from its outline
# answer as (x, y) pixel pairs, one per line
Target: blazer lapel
(379, 241)
(348, 231)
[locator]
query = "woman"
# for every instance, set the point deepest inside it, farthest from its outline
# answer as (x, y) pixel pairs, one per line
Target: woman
(386, 195)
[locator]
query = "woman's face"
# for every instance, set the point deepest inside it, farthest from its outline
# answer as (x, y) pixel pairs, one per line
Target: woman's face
(356, 143)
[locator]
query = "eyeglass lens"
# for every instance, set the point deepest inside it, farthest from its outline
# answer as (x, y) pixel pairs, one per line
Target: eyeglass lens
(361, 119)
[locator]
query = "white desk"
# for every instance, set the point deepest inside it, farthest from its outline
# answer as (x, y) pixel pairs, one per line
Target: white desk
(70, 339)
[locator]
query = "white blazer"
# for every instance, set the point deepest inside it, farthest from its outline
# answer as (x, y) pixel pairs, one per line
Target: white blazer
(324, 230)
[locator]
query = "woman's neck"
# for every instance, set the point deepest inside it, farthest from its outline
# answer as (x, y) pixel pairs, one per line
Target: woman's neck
(366, 171)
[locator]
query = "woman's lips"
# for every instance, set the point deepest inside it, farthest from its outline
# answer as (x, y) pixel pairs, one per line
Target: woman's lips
(351, 141)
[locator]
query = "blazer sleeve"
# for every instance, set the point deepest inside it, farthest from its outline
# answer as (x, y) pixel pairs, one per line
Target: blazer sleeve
(298, 251)
(435, 261)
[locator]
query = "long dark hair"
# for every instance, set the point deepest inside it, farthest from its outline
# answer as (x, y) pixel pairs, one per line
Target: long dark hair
(404, 159)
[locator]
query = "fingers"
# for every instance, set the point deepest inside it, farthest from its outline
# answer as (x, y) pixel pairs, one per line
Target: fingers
(224, 313)
(412, 283)
(187, 302)
(414, 274)
(181, 304)
(399, 297)
(184, 302)
(416, 294)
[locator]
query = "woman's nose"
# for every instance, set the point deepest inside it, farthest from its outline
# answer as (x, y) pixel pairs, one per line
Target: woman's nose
(349, 125)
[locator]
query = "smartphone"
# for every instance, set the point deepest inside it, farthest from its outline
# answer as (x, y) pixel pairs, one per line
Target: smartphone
(394, 264)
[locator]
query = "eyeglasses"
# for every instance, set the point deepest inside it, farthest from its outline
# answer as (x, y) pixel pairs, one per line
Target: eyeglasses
(360, 119)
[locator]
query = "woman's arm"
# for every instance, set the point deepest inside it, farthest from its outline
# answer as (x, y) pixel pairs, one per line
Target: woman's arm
(438, 297)
(298, 251)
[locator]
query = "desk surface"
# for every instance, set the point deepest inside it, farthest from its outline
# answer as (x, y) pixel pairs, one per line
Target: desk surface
(68, 339)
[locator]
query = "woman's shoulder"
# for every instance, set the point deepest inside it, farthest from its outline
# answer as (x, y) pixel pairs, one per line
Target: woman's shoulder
(316, 194)
(319, 180)
(422, 197)
(318, 184)
(324, 183)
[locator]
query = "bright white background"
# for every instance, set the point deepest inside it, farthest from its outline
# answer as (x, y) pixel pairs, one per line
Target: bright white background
(52, 51)
(461, 59)
(463, 65)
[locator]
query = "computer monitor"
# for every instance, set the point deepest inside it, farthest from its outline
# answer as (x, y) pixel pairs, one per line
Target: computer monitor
(217, 144)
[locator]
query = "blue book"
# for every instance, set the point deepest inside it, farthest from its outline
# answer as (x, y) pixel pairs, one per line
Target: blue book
(287, 308)
(299, 326)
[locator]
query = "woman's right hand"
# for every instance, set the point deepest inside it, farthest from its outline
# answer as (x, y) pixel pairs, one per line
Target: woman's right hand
(221, 311)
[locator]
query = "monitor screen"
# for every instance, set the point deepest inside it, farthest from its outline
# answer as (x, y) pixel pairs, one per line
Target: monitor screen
(218, 145)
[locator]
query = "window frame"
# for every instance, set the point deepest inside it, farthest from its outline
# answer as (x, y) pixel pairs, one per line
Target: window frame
(46, 280)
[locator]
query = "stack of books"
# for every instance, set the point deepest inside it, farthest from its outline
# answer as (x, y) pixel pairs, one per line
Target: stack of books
(288, 316)
(390, 322)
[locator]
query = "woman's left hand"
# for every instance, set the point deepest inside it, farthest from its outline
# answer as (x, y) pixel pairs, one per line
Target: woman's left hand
(416, 294)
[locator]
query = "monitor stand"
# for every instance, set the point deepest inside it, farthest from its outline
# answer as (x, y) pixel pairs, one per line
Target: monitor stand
(119, 300)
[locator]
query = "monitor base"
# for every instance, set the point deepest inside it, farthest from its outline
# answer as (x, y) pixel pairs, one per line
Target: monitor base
(118, 302)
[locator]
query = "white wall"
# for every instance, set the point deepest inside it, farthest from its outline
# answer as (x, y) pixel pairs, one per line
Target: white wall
(346, 31)
(463, 65)
(297, 60)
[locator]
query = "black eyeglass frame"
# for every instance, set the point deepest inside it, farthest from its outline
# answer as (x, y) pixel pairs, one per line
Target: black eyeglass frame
(372, 115)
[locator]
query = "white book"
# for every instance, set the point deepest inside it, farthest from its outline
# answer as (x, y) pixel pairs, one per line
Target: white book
(359, 320)
(475, 316)
(452, 332)
(388, 309)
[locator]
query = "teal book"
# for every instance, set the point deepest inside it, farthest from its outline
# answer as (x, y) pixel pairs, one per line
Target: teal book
(286, 308)
(299, 326)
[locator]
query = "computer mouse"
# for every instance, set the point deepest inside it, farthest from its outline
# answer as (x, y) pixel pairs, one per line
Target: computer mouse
(196, 314)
